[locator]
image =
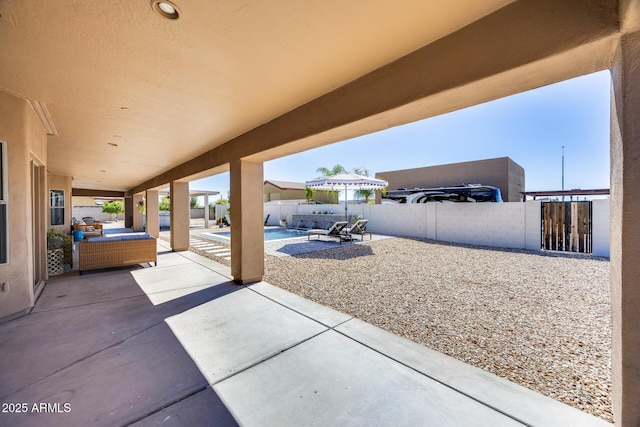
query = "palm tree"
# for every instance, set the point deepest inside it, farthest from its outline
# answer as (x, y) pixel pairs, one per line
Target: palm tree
(309, 192)
(363, 193)
(333, 171)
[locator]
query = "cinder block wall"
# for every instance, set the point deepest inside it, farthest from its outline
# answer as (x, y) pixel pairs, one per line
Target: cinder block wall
(506, 225)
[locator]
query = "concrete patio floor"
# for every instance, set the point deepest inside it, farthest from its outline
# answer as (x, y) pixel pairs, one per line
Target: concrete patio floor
(180, 344)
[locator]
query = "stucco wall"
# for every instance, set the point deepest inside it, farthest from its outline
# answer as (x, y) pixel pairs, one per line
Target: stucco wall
(26, 141)
(504, 225)
(80, 212)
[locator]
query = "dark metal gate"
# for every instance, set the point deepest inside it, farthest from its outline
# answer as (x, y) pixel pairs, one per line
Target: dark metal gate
(566, 226)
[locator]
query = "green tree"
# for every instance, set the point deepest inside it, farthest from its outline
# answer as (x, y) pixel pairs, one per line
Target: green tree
(114, 208)
(165, 204)
(193, 202)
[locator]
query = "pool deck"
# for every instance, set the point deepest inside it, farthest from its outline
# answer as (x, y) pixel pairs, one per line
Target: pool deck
(290, 246)
(180, 344)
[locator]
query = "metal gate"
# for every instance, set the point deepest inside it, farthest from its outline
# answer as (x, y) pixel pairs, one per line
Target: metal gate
(566, 226)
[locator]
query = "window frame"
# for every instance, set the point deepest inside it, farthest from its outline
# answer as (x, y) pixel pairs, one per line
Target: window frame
(52, 207)
(4, 204)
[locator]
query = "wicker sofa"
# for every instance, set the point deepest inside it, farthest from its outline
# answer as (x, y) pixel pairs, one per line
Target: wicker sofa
(117, 251)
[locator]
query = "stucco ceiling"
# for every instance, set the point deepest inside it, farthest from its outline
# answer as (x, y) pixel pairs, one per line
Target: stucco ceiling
(116, 73)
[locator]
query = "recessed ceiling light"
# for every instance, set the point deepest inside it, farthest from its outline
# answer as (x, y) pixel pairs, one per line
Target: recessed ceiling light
(166, 9)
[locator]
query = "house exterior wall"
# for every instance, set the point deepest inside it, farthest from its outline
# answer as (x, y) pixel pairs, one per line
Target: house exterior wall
(272, 192)
(501, 172)
(60, 182)
(26, 142)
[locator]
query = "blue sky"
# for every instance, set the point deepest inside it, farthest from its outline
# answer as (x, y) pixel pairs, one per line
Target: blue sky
(530, 127)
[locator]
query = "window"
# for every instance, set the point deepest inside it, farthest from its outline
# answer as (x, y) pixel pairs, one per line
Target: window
(4, 208)
(57, 207)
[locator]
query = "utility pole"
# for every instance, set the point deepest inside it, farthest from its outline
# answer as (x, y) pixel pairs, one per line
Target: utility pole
(563, 172)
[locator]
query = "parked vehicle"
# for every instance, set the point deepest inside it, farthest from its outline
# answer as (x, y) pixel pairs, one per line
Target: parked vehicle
(465, 193)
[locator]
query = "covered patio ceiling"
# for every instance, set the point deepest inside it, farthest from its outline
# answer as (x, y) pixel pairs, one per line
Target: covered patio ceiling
(127, 94)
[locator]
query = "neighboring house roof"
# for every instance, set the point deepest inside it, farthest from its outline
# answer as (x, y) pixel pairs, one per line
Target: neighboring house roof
(286, 185)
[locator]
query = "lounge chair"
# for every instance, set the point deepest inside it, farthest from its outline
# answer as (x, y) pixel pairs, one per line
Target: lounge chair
(359, 227)
(336, 231)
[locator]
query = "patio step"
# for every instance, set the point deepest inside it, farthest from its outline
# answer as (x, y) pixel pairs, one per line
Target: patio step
(217, 251)
(210, 248)
(205, 246)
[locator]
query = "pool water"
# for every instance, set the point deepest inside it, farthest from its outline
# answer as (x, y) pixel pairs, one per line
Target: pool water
(273, 233)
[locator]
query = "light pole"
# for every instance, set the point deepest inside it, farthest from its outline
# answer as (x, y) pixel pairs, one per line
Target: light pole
(563, 172)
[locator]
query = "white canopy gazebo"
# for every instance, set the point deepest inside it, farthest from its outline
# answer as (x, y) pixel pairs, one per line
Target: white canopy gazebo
(348, 181)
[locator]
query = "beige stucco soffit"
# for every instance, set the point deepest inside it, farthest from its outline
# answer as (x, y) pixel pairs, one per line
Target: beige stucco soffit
(524, 45)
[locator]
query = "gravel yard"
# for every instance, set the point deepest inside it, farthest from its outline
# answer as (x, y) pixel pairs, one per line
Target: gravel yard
(542, 321)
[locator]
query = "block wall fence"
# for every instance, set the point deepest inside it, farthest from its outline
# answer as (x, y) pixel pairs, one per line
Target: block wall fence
(506, 225)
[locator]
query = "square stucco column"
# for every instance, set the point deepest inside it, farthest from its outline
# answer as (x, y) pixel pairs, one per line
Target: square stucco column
(247, 222)
(180, 216)
(625, 229)
(128, 212)
(137, 215)
(153, 220)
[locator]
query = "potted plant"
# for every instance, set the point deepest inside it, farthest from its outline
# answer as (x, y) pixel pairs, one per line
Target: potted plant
(283, 221)
(58, 251)
(141, 206)
(220, 222)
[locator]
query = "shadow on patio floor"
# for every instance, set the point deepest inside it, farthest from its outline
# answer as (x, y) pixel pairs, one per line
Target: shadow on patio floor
(100, 346)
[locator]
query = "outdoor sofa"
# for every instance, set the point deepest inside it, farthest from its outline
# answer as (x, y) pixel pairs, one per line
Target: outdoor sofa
(93, 229)
(336, 231)
(116, 251)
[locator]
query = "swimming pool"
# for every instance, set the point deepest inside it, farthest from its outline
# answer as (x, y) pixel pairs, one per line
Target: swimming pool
(271, 233)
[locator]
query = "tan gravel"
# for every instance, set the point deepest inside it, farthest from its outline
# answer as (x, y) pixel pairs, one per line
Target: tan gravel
(539, 320)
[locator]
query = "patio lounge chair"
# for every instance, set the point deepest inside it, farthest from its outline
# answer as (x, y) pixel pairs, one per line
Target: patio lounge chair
(359, 227)
(336, 231)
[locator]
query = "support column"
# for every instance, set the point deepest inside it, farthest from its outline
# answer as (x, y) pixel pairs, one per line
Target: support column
(625, 229)
(247, 223)
(128, 212)
(137, 215)
(153, 220)
(180, 211)
(206, 211)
